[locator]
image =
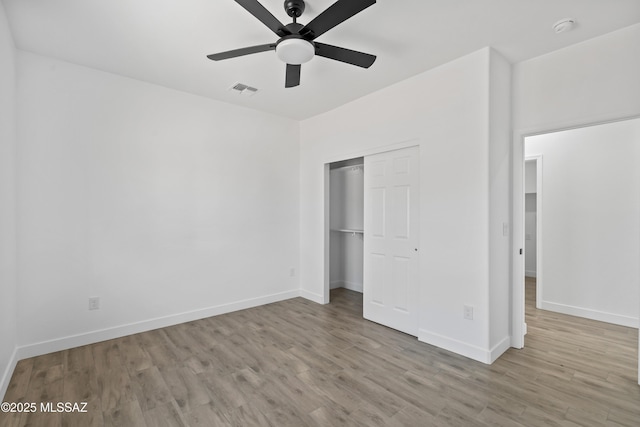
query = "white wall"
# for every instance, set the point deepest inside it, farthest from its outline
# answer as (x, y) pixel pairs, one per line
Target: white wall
(8, 248)
(591, 81)
(166, 205)
(446, 111)
(530, 176)
(591, 217)
(347, 198)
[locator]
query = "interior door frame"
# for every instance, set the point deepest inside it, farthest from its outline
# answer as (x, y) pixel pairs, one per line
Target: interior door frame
(326, 271)
(518, 325)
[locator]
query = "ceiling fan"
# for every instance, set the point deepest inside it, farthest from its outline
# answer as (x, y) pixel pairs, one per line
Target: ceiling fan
(297, 44)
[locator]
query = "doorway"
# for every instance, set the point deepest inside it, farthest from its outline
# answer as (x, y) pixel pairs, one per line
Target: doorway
(346, 182)
(591, 237)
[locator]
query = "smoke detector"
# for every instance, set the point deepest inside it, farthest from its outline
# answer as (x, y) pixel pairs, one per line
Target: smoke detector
(565, 24)
(243, 89)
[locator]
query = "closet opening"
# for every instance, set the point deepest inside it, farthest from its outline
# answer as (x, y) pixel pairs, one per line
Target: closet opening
(346, 224)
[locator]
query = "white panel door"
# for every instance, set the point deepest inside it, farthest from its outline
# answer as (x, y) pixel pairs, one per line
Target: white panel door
(391, 215)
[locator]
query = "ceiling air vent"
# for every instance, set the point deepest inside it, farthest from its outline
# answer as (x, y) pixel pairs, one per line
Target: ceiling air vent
(243, 89)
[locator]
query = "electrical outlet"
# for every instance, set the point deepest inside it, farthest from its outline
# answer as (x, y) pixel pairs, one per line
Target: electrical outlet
(94, 303)
(468, 312)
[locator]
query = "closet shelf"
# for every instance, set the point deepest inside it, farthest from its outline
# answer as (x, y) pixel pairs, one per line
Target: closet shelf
(348, 230)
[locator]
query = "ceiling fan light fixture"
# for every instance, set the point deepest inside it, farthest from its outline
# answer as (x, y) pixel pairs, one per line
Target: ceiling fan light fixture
(295, 51)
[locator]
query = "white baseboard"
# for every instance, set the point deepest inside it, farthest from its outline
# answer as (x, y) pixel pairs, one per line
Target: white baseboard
(336, 284)
(8, 373)
(499, 348)
(530, 273)
(65, 343)
(616, 319)
(317, 298)
(464, 349)
(353, 286)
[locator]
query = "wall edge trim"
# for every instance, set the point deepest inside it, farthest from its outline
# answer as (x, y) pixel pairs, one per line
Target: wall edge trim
(8, 372)
(462, 348)
(499, 349)
(317, 298)
(601, 316)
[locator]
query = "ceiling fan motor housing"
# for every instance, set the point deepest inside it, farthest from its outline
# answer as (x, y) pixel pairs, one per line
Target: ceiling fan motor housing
(294, 8)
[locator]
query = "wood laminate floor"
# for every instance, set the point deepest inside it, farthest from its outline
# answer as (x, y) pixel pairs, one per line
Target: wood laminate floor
(297, 363)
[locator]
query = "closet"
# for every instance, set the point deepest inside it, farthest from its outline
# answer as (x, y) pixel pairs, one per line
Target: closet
(346, 223)
(374, 212)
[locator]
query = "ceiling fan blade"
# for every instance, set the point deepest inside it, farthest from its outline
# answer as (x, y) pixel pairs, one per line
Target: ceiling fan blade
(341, 54)
(260, 12)
(241, 52)
(293, 75)
(335, 14)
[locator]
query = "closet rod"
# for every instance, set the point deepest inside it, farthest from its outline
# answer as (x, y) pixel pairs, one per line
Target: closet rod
(359, 166)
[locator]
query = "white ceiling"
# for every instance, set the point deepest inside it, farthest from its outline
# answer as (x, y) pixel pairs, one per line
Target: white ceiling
(166, 41)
